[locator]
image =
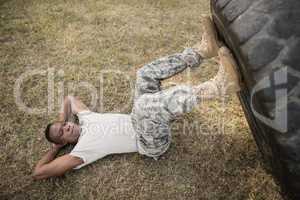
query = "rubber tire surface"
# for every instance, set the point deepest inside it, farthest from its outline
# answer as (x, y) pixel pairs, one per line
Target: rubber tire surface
(264, 36)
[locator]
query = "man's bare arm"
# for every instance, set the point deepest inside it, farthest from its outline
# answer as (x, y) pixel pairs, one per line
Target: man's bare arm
(49, 156)
(48, 166)
(71, 105)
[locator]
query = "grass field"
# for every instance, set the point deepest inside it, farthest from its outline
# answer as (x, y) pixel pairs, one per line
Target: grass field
(213, 156)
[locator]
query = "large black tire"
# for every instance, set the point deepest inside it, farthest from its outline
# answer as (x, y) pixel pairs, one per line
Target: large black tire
(264, 36)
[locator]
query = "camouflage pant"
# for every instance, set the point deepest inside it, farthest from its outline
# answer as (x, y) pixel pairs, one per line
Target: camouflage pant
(154, 108)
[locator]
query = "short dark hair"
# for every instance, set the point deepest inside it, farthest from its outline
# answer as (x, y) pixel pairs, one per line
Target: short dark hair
(47, 133)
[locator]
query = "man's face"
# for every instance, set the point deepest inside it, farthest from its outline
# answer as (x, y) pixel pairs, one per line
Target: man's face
(63, 133)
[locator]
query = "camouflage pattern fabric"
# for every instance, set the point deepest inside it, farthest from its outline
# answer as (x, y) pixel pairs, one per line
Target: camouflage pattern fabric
(154, 109)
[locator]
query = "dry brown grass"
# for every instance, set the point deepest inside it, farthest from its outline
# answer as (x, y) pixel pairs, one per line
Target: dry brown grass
(83, 37)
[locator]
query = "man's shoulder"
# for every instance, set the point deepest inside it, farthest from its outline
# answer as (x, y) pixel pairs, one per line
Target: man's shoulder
(85, 116)
(85, 113)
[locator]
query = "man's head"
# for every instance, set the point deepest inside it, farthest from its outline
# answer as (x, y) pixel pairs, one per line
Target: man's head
(62, 133)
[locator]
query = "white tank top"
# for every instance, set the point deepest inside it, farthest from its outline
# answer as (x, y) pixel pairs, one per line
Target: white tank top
(103, 134)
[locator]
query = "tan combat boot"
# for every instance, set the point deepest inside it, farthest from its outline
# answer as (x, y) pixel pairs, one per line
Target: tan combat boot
(208, 47)
(227, 74)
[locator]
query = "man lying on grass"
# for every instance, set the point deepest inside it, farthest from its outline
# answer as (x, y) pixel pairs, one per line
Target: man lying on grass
(147, 129)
